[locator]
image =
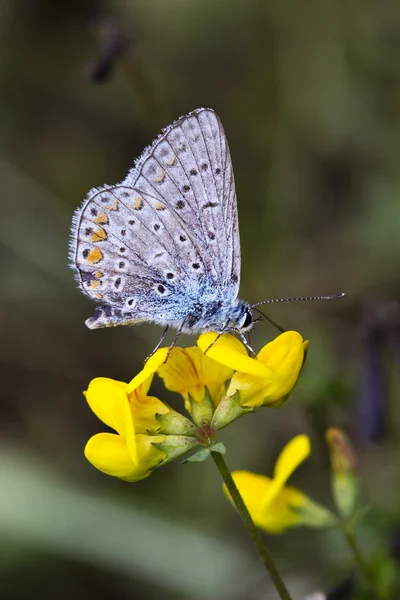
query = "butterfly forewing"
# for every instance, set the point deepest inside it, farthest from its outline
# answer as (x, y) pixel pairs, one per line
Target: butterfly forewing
(169, 230)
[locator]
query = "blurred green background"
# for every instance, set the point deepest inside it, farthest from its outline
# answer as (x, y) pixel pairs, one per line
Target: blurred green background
(309, 95)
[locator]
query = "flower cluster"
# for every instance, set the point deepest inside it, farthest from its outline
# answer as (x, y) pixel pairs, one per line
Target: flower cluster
(218, 381)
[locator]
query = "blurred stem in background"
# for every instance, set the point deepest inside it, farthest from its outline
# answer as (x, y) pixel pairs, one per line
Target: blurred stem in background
(360, 562)
(345, 491)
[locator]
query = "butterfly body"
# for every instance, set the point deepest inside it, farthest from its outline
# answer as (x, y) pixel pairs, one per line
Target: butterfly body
(189, 317)
(163, 245)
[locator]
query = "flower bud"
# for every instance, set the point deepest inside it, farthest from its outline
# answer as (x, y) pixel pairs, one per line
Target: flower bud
(344, 477)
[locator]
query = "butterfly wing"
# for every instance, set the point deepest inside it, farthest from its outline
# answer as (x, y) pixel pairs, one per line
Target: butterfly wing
(169, 230)
(189, 168)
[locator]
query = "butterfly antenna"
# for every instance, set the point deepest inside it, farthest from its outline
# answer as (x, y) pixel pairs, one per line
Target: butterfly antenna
(269, 320)
(332, 297)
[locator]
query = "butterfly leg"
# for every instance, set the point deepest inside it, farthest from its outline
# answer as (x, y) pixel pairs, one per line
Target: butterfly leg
(177, 334)
(245, 342)
(223, 330)
(162, 338)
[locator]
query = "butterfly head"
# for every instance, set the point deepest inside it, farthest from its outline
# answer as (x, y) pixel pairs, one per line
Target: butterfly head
(243, 319)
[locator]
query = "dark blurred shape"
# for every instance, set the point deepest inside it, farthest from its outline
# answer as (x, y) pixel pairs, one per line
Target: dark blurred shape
(379, 324)
(396, 544)
(373, 395)
(116, 45)
(112, 45)
(67, 579)
(343, 591)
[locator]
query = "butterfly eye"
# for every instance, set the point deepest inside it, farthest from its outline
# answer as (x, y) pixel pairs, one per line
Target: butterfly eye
(247, 321)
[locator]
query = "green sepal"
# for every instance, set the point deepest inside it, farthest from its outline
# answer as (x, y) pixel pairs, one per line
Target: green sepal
(202, 411)
(218, 447)
(202, 454)
(174, 446)
(173, 423)
(199, 456)
(345, 492)
(313, 514)
(228, 410)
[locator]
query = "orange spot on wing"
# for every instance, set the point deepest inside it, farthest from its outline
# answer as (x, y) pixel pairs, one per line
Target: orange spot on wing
(137, 203)
(159, 178)
(98, 235)
(94, 284)
(94, 256)
(168, 162)
(98, 295)
(101, 219)
(159, 206)
(99, 274)
(113, 205)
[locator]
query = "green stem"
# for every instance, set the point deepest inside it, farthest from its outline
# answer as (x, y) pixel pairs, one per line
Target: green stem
(360, 561)
(251, 528)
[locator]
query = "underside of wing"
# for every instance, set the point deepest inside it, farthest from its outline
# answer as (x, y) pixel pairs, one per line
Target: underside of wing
(126, 244)
(169, 231)
(188, 167)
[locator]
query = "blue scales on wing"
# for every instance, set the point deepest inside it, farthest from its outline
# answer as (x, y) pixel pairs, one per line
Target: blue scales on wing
(165, 239)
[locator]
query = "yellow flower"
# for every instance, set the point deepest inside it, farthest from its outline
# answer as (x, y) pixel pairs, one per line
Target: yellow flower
(274, 506)
(189, 372)
(266, 380)
(129, 453)
(148, 433)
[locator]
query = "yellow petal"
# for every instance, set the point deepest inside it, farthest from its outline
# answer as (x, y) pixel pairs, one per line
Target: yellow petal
(253, 391)
(151, 366)
(279, 515)
(284, 357)
(283, 512)
(144, 409)
(107, 399)
(180, 373)
(129, 431)
(108, 452)
(149, 457)
(229, 351)
(293, 454)
(189, 371)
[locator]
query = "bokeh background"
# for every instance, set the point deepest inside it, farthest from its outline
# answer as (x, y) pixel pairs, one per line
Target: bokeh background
(309, 95)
